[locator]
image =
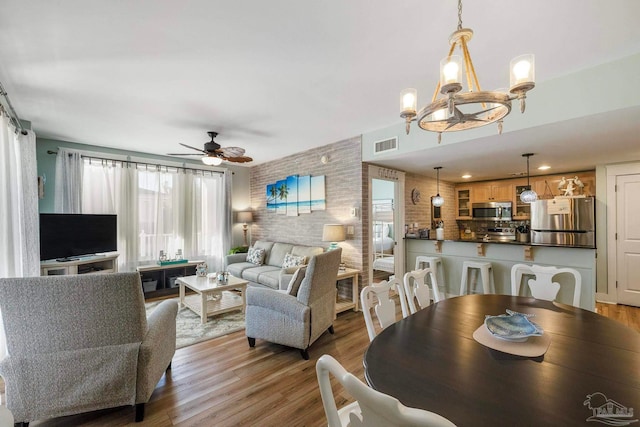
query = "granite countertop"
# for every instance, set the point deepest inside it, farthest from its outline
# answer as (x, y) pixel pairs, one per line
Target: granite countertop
(511, 242)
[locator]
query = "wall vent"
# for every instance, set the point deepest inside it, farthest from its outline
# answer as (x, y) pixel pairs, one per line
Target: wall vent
(385, 145)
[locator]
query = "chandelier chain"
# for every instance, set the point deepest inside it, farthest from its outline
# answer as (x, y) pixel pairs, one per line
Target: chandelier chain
(459, 14)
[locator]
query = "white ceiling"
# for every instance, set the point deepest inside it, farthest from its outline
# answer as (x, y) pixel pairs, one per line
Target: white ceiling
(280, 77)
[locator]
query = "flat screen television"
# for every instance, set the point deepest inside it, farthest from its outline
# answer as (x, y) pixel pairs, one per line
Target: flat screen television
(69, 236)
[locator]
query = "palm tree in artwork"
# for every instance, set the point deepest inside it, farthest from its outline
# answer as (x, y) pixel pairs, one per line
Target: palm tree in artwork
(273, 193)
(283, 192)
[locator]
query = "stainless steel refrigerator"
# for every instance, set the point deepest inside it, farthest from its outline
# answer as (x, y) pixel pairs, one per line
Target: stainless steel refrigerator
(564, 222)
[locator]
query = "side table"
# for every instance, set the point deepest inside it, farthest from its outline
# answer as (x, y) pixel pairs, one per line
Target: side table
(344, 305)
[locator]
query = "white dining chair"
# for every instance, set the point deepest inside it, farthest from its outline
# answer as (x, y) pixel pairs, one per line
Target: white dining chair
(371, 408)
(517, 271)
(542, 285)
(377, 297)
(416, 288)
(434, 263)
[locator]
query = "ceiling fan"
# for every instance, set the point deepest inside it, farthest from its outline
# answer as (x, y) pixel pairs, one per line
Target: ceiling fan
(214, 154)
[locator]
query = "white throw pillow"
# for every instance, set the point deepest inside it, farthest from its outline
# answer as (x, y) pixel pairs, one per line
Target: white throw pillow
(296, 280)
(255, 256)
(293, 261)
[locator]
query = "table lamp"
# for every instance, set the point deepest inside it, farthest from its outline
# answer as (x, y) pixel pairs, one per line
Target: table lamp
(245, 217)
(333, 233)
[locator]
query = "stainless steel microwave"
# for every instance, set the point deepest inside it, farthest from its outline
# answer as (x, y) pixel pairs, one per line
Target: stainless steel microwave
(492, 211)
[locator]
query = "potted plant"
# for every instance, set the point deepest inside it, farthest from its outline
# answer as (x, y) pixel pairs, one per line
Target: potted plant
(239, 250)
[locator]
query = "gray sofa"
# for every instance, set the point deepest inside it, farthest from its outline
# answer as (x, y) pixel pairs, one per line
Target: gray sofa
(270, 274)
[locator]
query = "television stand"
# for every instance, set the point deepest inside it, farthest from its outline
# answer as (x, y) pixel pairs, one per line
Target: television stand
(84, 265)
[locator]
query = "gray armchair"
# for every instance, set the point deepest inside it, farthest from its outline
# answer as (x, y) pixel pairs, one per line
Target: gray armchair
(82, 343)
(296, 320)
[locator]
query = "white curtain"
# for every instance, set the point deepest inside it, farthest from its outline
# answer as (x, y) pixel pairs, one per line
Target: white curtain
(207, 228)
(160, 208)
(108, 187)
(19, 221)
(68, 191)
(19, 230)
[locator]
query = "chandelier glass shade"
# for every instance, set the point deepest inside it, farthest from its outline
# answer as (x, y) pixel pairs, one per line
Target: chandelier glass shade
(458, 110)
(528, 195)
(438, 200)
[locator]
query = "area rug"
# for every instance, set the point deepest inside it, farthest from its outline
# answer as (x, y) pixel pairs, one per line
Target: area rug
(190, 331)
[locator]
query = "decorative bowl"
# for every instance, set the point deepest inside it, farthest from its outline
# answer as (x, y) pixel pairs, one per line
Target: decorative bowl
(512, 326)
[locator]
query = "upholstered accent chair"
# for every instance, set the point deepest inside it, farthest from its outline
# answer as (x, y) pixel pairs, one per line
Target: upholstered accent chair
(296, 320)
(82, 343)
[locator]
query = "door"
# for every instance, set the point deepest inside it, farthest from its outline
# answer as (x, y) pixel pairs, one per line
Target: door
(628, 239)
(386, 223)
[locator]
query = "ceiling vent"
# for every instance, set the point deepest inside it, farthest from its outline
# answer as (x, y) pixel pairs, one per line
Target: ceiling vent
(385, 145)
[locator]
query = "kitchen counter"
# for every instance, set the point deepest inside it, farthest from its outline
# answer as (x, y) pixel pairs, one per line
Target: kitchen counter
(510, 242)
(502, 256)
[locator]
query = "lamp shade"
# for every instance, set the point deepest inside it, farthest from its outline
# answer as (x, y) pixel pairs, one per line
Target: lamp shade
(245, 216)
(333, 233)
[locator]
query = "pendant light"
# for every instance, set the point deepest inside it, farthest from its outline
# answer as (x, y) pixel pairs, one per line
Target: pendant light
(437, 201)
(528, 195)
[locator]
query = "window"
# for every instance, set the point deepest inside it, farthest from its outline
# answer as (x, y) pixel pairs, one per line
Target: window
(159, 208)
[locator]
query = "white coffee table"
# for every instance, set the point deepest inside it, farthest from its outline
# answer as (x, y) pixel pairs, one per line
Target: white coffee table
(212, 297)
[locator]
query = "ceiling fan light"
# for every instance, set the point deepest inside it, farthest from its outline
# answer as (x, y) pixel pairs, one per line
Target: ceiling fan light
(211, 160)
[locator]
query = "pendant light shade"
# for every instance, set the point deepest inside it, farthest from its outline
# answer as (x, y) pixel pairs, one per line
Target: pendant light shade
(437, 201)
(528, 195)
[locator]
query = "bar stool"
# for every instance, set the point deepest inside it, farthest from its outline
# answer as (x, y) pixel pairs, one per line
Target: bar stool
(435, 264)
(486, 273)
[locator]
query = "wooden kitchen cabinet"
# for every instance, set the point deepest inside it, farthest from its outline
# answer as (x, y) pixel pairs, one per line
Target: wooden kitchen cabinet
(463, 203)
(493, 192)
(509, 190)
(522, 211)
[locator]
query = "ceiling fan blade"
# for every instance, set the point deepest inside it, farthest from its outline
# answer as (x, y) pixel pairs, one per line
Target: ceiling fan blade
(241, 159)
(183, 154)
(231, 151)
(193, 148)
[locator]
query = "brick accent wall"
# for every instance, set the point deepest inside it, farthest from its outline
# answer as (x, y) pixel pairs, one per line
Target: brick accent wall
(343, 191)
(421, 212)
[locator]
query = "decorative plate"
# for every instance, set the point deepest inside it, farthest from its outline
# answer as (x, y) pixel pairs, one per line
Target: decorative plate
(512, 326)
(415, 196)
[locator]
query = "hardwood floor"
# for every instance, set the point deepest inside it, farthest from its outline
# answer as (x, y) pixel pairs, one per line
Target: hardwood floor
(222, 382)
(627, 315)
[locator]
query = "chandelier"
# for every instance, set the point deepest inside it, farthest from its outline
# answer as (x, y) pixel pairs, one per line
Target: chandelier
(466, 110)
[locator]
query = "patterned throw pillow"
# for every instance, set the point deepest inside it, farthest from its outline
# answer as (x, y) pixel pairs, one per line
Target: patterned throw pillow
(255, 256)
(292, 261)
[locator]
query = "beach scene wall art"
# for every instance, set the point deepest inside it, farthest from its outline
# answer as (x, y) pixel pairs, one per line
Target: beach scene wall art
(296, 195)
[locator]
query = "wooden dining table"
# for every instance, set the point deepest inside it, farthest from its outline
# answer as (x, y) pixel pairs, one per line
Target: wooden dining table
(431, 361)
